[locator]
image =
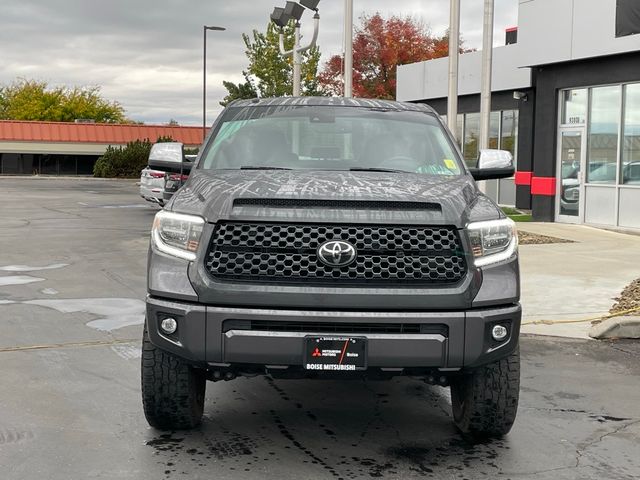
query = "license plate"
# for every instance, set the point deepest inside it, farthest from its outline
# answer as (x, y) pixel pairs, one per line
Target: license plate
(335, 353)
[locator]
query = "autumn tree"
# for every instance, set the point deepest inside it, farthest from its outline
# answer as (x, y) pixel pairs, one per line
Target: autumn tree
(35, 100)
(379, 46)
(270, 73)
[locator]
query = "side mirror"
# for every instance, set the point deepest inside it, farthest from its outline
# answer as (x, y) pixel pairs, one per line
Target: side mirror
(169, 157)
(493, 164)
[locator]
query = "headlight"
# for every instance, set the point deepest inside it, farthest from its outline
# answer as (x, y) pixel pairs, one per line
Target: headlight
(493, 241)
(176, 234)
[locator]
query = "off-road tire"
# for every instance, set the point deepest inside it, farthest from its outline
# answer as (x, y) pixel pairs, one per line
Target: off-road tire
(172, 390)
(485, 401)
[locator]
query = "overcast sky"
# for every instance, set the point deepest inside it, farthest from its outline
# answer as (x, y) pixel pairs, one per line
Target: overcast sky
(147, 54)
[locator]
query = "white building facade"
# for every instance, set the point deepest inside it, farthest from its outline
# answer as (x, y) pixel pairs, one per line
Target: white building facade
(566, 102)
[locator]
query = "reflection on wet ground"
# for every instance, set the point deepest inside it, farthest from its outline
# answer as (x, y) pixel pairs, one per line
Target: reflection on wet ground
(346, 430)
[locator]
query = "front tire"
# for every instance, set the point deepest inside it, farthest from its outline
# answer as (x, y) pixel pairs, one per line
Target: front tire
(485, 401)
(172, 390)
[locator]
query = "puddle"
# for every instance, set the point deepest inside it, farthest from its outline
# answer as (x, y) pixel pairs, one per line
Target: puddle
(116, 313)
(19, 280)
(49, 291)
(27, 268)
(6, 302)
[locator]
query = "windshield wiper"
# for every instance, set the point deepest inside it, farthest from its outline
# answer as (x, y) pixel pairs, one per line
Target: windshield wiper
(262, 167)
(376, 169)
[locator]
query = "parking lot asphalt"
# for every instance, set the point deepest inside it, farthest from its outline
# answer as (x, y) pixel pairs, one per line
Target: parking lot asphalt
(72, 287)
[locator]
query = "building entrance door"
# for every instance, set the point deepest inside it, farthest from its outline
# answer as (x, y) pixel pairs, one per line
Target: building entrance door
(571, 167)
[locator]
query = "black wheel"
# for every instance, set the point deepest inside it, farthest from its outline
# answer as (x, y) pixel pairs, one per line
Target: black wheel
(172, 391)
(485, 401)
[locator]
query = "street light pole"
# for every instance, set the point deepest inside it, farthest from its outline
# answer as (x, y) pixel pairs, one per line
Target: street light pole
(297, 67)
(348, 48)
(487, 60)
(204, 76)
(454, 54)
(297, 51)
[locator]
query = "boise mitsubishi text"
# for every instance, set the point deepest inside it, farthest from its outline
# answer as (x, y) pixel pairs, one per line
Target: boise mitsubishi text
(334, 238)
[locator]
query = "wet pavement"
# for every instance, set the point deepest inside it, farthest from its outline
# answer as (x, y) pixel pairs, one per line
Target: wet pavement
(72, 285)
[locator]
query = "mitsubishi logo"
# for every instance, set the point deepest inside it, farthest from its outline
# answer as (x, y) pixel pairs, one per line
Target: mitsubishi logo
(337, 253)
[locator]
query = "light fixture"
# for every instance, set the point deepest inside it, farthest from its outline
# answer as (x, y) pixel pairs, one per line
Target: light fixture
(280, 18)
(294, 10)
(310, 4)
(499, 332)
(517, 95)
(169, 326)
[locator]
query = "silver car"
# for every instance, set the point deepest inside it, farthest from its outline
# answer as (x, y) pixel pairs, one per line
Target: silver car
(152, 185)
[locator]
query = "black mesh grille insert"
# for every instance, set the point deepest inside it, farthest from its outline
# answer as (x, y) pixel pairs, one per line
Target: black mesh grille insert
(336, 327)
(288, 253)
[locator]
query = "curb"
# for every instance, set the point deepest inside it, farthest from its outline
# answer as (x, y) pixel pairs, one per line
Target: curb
(617, 327)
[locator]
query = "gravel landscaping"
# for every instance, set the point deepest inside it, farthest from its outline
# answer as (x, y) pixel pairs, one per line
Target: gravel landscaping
(628, 299)
(526, 238)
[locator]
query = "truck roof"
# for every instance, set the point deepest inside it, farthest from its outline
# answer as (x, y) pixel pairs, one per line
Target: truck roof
(334, 102)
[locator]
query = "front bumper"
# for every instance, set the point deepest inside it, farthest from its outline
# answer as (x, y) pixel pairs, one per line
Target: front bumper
(222, 336)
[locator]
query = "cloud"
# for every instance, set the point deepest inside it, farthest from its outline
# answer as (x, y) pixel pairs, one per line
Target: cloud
(147, 54)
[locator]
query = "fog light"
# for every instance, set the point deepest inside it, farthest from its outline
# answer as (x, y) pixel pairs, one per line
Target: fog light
(499, 332)
(169, 325)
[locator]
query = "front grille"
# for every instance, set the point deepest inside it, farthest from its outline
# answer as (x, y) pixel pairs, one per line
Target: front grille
(336, 327)
(288, 253)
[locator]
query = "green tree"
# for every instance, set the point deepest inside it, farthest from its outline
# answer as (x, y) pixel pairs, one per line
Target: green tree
(239, 91)
(35, 100)
(270, 73)
(127, 161)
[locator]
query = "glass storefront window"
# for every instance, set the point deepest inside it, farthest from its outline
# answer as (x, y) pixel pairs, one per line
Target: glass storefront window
(604, 122)
(48, 165)
(494, 130)
(459, 129)
(631, 141)
(509, 131)
(471, 136)
(574, 106)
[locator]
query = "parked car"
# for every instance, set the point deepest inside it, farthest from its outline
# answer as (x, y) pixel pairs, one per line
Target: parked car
(334, 238)
(175, 180)
(570, 193)
(152, 185)
(631, 173)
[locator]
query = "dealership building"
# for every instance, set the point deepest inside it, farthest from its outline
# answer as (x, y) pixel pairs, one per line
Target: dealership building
(565, 102)
(56, 148)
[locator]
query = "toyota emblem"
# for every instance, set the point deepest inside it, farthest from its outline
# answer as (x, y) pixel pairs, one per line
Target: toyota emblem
(337, 253)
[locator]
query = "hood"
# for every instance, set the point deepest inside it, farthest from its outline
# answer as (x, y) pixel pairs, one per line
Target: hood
(333, 197)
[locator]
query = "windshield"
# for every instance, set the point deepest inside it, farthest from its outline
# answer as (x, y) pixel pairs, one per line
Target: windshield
(330, 138)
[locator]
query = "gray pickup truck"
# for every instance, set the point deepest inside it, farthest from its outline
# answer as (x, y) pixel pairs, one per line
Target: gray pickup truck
(334, 238)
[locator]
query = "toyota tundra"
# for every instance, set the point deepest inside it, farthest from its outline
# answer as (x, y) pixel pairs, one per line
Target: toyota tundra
(334, 238)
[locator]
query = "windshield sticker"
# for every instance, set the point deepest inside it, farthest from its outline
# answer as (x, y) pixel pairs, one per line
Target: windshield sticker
(450, 164)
